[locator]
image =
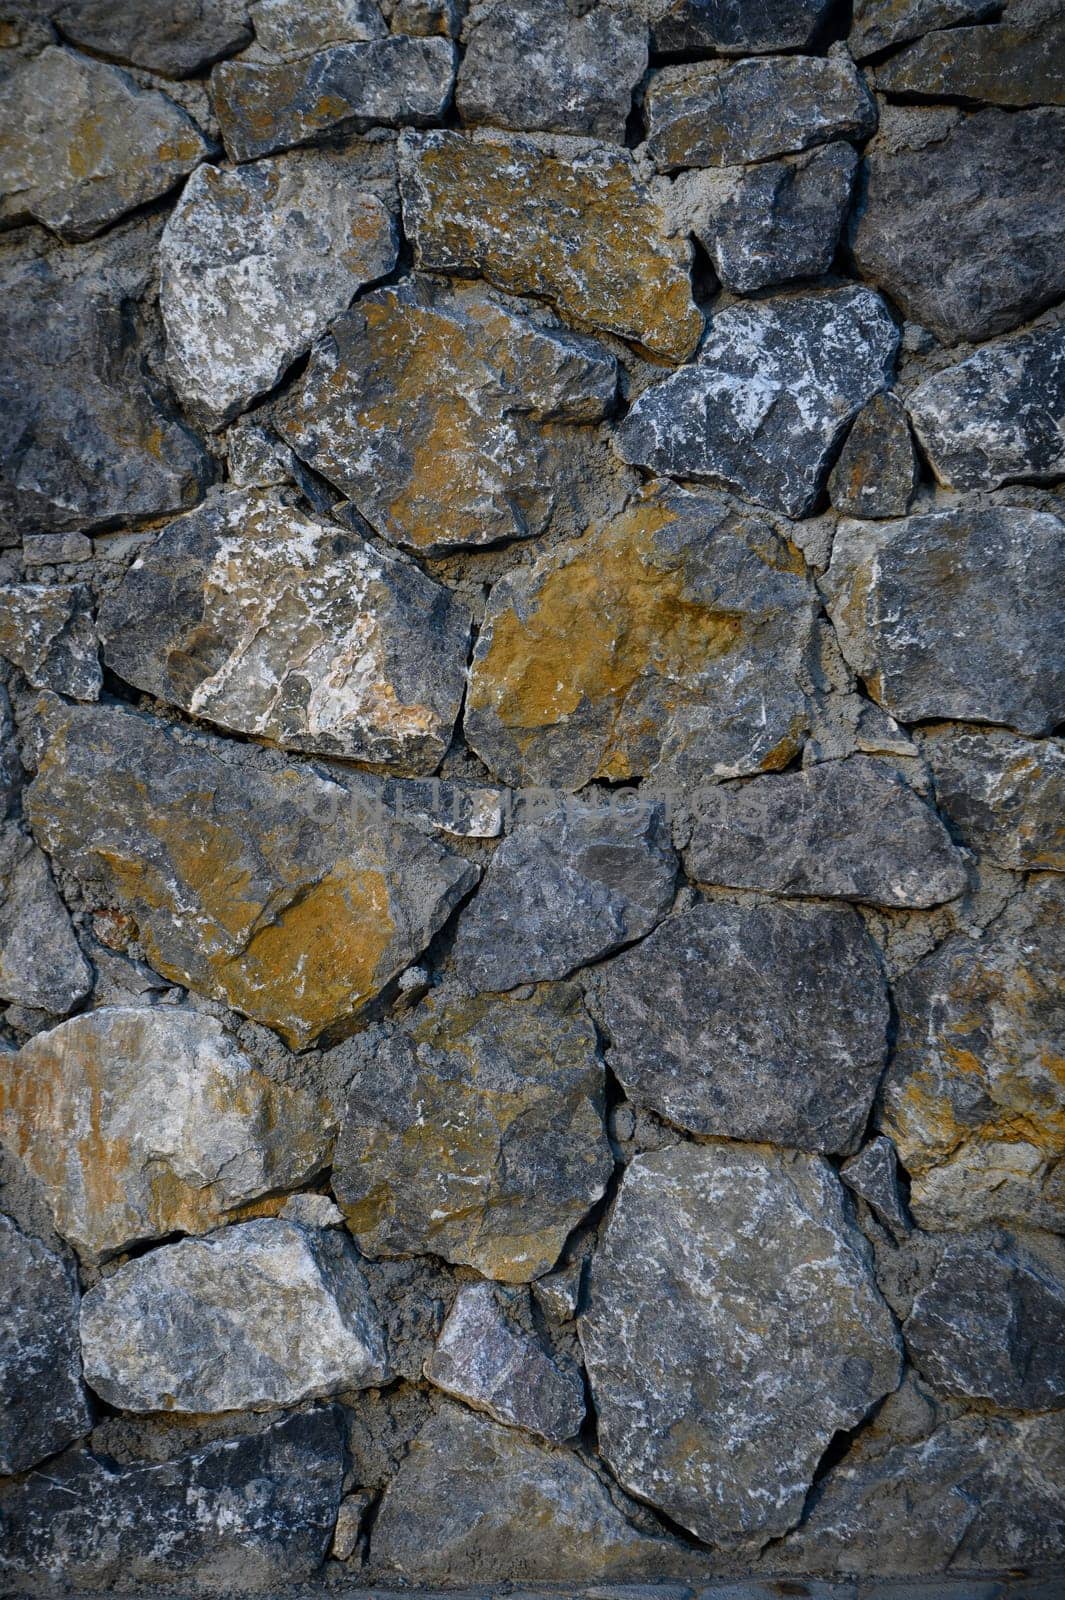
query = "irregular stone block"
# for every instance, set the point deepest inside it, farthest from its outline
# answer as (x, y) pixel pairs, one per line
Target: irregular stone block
(44, 1407)
(768, 398)
(265, 1313)
(876, 25)
(294, 28)
(877, 471)
(442, 416)
(954, 614)
(587, 233)
(41, 963)
(263, 107)
(851, 830)
(177, 40)
(733, 1326)
(721, 113)
(83, 145)
(1003, 795)
(997, 416)
(873, 1174)
(254, 264)
(266, 889)
(753, 1021)
(267, 621)
(736, 27)
(144, 1122)
(1009, 63)
(475, 1132)
(47, 631)
(674, 639)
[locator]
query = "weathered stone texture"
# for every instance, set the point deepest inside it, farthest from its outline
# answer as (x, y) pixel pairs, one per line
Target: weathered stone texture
(1010, 63)
(47, 631)
(44, 1407)
(294, 28)
(873, 1174)
(877, 471)
(41, 963)
(876, 24)
(1003, 795)
(736, 27)
(176, 40)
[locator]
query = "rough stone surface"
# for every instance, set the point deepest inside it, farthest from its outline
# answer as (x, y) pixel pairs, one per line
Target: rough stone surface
(733, 1325)
(294, 28)
(587, 233)
(1011, 63)
(41, 963)
(264, 888)
(476, 1132)
(177, 39)
(44, 1407)
(47, 631)
(255, 263)
(756, 1021)
(873, 1174)
(877, 471)
(258, 618)
(875, 25)
(765, 404)
(849, 830)
(1004, 796)
(265, 1313)
(954, 614)
(736, 27)
(145, 1122)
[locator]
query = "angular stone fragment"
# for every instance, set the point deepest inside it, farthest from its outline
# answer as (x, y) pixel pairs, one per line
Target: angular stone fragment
(47, 631)
(720, 113)
(754, 1021)
(177, 39)
(271, 890)
(873, 1174)
(476, 1132)
(293, 28)
(963, 218)
(84, 145)
(973, 1096)
(547, 64)
(1004, 796)
(877, 471)
(954, 614)
(1009, 63)
(262, 1314)
(674, 639)
(236, 1516)
(733, 1326)
(483, 1358)
(764, 405)
(144, 1122)
(851, 830)
(736, 27)
(587, 233)
(254, 264)
(442, 415)
(876, 25)
(43, 1407)
(261, 619)
(565, 891)
(41, 963)
(263, 107)
(998, 416)
(10, 764)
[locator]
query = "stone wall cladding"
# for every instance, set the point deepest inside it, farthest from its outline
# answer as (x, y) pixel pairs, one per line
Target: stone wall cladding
(532, 778)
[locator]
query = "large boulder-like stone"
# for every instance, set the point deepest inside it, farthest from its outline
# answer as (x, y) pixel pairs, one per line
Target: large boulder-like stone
(144, 1122)
(177, 39)
(1009, 63)
(767, 401)
(43, 1408)
(586, 232)
(267, 621)
(875, 25)
(754, 1021)
(735, 27)
(255, 263)
(41, 963)
(83, 145)
(676, 639)
(46, 630)
(877, 471)
(733, 1326)
(444, 416)
(475, 1132)
(962, 220)
(955, 614)
(1004, 796)
(273, 890)
(264, 1313)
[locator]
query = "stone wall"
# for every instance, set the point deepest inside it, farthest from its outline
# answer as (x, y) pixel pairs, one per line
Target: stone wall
(530, 904)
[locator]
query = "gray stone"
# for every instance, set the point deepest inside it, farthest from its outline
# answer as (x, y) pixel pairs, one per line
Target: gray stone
(720, 113)
(143, 1122)
(255, 263)
(264, 1313)
(954, 614)
(10, 764)
(263, 620)
(263, 107)
(294, 28)
(257, 458)
(41, 963)
(1009, 63)
(875, 25)
(736, 27)
(83, 145)
(56, 549)
(962, 218)
(1004, 796)
(873, 1174)
(44, 1407)
(849, 830)
(177, 39)
(755, 1021)
(47, 631)
(733, 1326)
(564, 891)
(998, 416)
(476, 1132)
(312, 1211)
(768, 398)
(482, 1357)
(236, 1516)
(877, 471)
